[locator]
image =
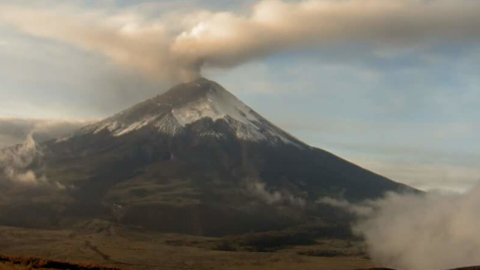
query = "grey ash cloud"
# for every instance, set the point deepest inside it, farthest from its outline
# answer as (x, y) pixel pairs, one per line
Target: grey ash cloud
(177, 45)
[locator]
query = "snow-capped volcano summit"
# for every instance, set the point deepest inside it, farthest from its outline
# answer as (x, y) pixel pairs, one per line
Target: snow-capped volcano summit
(188, 103)
(193, 160)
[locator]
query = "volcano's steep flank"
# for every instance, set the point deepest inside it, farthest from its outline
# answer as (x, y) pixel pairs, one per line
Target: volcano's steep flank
(194, 160)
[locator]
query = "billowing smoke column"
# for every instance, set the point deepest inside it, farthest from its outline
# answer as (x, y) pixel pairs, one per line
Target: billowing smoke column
(176, 47)
(428, 231)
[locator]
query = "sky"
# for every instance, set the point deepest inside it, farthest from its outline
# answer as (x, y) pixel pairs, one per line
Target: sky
(389, 85)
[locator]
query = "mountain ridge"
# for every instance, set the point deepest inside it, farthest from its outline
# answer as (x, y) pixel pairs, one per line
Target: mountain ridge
(193, 160)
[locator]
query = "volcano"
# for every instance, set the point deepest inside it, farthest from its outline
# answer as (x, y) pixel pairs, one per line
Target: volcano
(193, 160)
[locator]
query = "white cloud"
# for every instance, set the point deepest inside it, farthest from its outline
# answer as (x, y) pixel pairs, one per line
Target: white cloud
(436, 230)
(432, 231)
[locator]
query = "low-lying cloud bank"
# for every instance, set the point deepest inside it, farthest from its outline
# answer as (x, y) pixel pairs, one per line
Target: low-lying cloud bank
(177, 45)
(428, 231)
(17, 131)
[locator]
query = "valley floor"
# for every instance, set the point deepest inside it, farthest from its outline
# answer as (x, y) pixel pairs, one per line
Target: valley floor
(130, 248)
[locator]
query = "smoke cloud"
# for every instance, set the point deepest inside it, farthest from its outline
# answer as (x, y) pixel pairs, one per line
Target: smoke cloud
(430, 231)
(177, 46)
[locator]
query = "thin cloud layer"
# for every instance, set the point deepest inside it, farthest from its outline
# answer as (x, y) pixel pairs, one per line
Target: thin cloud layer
(178, 45)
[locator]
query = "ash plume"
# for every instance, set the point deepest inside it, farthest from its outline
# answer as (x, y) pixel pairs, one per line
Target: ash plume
(430, 231)
(177, 46)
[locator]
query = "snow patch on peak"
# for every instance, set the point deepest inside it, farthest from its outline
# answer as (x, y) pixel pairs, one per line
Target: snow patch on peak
(216, 104)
